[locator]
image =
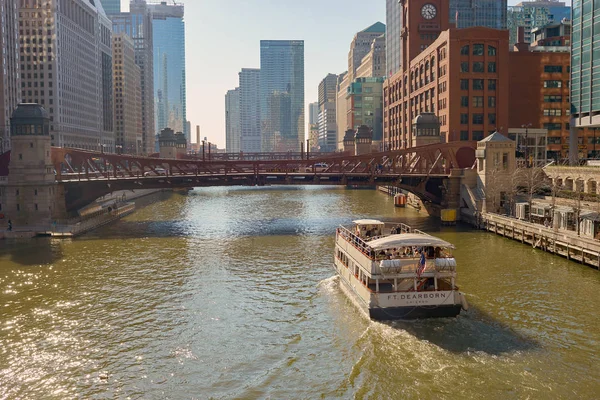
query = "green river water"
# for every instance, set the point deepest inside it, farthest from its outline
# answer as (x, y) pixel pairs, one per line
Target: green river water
(229, 293)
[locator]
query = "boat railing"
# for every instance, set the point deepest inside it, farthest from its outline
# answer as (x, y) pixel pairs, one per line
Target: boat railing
(411, 265)
(356, 241)
(408, 229)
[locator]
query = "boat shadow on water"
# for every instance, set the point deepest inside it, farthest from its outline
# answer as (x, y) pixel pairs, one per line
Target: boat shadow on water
(471, 331)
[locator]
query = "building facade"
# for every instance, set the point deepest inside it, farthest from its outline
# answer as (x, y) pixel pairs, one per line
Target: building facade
(585, 77)
(471, 13)
(249, 84)
(137, 24)
(10, 80)
(327, 118)
(373, 63)
(341, 109)
(313, 113)
(393, 21)
(534, 14)
(461, 76)
(365, 106)
(168, 31)
(361, 46)
(67, 68)
(232, 121)
(127, 96)
(111, 7)
(282, 95)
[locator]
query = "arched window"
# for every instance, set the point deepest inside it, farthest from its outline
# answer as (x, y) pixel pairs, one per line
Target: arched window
(491, 51)
(464, 51)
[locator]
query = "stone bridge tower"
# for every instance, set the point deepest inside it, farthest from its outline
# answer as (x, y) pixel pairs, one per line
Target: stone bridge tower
(31, 195)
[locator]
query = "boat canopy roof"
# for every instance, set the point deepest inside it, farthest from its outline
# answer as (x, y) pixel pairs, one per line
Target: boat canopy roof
(408, 240)
(368, 222)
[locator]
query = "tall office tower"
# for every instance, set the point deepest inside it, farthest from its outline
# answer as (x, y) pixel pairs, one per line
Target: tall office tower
(232, 121)
(585, 78)
(249, 84)
(361, 46)
(327, 119)
(470, 13)
(313, 113)
(282, 94)
(168, 28)
(534, 14)
(111, 7)
(127, 96)
(137, 24)
(73, 82)
(10, 80)
(393, 20)
(373, 64)
(341, 108)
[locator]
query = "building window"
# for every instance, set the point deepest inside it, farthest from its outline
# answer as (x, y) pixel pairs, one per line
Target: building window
(477, 49)
(552, 84)
(552, 99)
(478, 101)
(36, 206)
(492, 119)
(478, 135)
(478, 67)
(492, 101)
(464, 84)
(554, 139)
(491, 51)
(553, 126)
(491, 84)
(464, 119)
(464, 67)
(35, 192)
(20, 156)
(464, 51)
(464, 101)
(492, 67)
(553, 68)
(18, 207)
(555, 112)
(464, 136)
(478, 119)
(477, 84)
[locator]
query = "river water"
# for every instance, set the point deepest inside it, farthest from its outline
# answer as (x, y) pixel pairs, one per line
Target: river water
(229, 293)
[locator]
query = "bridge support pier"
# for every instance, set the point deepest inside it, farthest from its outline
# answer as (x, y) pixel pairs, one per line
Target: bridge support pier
(31, 198)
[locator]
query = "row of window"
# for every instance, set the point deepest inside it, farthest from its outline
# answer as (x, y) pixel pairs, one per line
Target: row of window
(478, 50)
(478, 66)
(477, 119)
(477, 101)
(477, 84)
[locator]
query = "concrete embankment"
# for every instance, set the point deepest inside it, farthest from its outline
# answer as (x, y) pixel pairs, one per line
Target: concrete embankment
(103, 211)
(564, 243)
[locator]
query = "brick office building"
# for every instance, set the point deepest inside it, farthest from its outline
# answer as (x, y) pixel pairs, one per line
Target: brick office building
(461, 75)
(540, 92)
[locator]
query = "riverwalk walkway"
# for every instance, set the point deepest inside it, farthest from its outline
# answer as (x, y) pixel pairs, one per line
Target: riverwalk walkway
(557, 241)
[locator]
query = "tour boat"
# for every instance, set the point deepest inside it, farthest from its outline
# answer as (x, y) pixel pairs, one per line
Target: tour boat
(405, 274)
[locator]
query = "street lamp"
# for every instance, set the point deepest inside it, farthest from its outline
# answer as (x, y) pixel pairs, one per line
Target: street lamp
(527, 126)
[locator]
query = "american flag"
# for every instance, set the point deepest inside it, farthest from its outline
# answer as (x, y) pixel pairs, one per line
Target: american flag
(421, 267)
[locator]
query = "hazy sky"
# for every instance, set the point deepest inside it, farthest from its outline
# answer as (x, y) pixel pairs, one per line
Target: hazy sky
(223, 36)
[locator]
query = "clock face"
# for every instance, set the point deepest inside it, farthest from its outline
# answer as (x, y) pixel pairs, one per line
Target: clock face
(428, 11)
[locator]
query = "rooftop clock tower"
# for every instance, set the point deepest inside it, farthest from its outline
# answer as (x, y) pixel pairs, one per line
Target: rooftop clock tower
(423, 22)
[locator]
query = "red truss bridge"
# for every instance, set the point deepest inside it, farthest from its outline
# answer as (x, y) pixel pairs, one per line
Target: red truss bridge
(87, 175)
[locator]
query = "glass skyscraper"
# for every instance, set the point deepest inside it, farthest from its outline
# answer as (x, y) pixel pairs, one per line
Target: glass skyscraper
(393, 48)
(282, 94)
(488, 13)
(111, 6)
(169, 67)
(585, 59)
